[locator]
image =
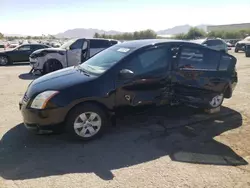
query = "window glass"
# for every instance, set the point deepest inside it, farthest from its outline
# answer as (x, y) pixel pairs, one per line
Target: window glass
(195, 58)
(99, 44)
(149, 61)
(36, 47)
(213, 42)
(25, 47)
(104, 60)
(77, 45)
(225, 62)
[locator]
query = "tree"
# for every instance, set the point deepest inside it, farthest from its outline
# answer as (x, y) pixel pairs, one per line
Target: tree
(96, 35)
(180, 36)
(195, 33)
(1, 36)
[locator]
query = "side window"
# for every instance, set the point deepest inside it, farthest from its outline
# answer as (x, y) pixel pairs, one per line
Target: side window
(154, 60)
(37, 47)
(198, 59)
(99, 44)
(225, 62)
(77, 44)
(24, 48)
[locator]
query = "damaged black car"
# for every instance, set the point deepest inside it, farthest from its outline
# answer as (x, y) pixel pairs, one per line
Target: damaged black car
(126, 77)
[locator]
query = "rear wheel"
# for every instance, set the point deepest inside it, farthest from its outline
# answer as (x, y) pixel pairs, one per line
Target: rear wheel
(4, 61)
(86, 122)
(247, 54)
(51, 66)
(216, 101)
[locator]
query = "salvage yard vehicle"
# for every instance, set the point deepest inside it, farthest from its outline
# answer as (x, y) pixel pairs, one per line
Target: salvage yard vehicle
(128, 77)
(247, 50)
(217, 44)
(19, 54)
(240, 45)
(73, 52)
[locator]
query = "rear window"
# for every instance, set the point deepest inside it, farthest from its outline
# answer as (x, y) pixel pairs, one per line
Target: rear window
(1, 46)
(213, 42)
(199, 59)
(100, 43)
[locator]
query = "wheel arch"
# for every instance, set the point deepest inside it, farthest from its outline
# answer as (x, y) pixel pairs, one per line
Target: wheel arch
(52, 59)
(99, 104)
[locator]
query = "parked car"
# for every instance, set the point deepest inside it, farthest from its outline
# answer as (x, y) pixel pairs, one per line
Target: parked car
(247, 50)
(13, 45)
(240, 46)
(217, 44)
(2, 47)
(127, 77)
(19, 54)
(73, 52)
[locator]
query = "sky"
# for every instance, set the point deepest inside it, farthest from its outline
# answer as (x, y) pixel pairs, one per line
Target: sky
(37, 17)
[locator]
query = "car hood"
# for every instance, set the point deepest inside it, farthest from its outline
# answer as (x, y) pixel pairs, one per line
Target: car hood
(59, 80)
(49, 50)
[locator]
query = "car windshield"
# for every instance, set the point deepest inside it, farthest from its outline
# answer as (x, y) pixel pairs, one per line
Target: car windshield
(67, 44)
(104, 60)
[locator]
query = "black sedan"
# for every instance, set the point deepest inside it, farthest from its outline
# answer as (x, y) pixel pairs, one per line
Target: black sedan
(128, 77)
(19, 54)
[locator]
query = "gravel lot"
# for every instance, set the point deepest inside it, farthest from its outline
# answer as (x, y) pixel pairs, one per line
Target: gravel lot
(181, 147)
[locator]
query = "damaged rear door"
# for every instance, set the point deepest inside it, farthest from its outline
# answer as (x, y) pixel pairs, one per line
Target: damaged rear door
(196, 78)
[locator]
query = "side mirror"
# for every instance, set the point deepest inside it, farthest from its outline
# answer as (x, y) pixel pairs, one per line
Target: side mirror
(126, 74)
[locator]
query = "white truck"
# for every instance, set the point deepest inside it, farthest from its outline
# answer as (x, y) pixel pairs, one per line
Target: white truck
(73, 52)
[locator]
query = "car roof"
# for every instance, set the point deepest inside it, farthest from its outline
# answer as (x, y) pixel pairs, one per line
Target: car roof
(147, 42)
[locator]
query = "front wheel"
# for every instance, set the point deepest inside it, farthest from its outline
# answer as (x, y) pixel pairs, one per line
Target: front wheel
(236, 50)
(247, 54)
(86, 122)
(216, 101)
(51, 66)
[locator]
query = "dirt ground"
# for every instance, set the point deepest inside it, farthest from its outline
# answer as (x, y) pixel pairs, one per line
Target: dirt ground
(177, 147)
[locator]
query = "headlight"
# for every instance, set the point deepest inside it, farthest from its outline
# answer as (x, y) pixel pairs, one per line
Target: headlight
(42, 99)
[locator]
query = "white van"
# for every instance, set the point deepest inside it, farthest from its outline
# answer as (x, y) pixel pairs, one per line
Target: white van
(73, 52)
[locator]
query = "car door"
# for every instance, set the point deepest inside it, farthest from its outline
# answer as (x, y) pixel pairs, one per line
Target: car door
(149, 84)
(196, 77)
(21, 54)
(97, 45)
(76, 51)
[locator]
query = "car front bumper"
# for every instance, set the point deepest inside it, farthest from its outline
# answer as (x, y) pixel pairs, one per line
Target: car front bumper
(48, 119)
(34, 63)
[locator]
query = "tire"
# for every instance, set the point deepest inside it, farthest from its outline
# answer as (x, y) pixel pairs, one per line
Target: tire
(247, 54)
(51, 66)
(216, 101)
(80, 125)
(4, 61)
(236, 50)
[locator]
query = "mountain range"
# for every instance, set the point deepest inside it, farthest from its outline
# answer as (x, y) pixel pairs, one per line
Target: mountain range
(89, 33)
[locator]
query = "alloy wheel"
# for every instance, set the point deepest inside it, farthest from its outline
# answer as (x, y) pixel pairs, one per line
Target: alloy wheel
(87, 124)
(216, 101)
